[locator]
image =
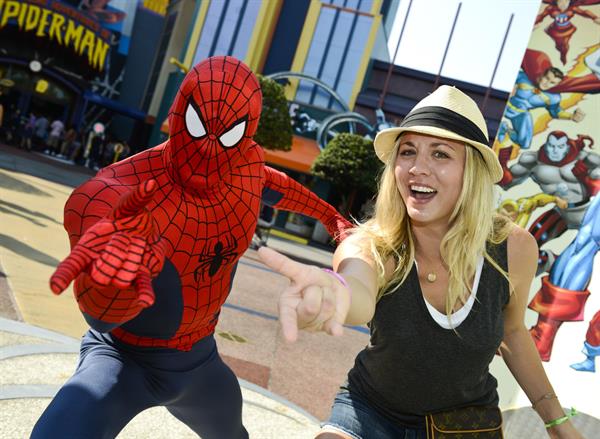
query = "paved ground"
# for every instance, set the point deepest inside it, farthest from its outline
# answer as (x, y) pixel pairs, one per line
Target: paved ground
(34, 363)
(286, 387)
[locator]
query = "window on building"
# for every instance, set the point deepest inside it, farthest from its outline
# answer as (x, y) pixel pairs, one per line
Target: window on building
(227, 29)
(335, 54)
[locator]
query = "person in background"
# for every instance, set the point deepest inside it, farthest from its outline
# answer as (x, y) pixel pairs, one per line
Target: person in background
(67, 142)
(75, 154)
(40, 132)
(13, 127)
(57, 128)
(442, 281)
(28, 130)
(97, 149)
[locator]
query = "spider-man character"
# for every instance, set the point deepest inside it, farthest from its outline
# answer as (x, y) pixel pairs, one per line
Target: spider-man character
(155, 241)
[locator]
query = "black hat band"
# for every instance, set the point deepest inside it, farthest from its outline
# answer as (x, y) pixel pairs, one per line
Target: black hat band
(446, 119)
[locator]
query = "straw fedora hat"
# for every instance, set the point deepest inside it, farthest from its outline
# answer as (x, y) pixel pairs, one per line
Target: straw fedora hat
(448, 113)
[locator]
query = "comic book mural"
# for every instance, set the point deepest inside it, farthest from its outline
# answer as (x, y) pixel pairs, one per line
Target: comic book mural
(547, 143)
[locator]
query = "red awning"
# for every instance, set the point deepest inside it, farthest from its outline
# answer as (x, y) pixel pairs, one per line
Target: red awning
(300, 158)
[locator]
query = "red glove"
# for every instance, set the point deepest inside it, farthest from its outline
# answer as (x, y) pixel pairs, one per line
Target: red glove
(503, 158)
(122, 250)
(581, 171)
(338, 227)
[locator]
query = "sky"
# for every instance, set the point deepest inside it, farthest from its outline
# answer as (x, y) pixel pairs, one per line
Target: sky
(476, 41)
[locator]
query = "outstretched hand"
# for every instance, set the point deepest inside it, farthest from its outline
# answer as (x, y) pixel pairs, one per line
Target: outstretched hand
(122, 250)
(314, 300)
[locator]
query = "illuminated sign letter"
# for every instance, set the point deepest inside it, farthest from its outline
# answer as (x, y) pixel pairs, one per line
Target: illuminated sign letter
(55, 31)
(21, 19)
(33, 16)
(43, 23)
(73, 33)
(87, 44)
(100, 53)
(11, 11)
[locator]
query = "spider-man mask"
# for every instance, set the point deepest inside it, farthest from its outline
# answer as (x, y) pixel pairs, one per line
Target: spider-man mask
(212, 121)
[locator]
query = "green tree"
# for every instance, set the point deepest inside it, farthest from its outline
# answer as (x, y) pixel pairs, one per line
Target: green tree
(350, 164)
(275, 126)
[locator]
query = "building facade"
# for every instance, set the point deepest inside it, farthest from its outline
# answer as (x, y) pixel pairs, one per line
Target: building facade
(80, 62)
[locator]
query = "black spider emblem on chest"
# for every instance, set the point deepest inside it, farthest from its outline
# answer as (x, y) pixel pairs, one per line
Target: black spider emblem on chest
(211, 261)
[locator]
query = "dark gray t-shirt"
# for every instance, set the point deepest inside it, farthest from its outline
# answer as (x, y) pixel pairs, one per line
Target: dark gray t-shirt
(413, 366)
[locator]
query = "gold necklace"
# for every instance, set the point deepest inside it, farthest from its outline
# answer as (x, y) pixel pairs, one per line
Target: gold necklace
(431, 276)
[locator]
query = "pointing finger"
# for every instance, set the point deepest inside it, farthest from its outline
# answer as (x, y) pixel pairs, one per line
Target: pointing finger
(282, 264)
(69, 269)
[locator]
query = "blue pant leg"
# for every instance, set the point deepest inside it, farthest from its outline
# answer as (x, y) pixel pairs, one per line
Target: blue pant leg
(105, 393)
(210, 398)
(523, 130)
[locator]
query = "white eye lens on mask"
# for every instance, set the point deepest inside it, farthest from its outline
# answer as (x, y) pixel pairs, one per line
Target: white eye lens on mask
(234, 135)
(193, 123)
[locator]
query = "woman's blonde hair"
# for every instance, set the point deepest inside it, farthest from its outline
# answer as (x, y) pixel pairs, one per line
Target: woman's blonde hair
(473, 223)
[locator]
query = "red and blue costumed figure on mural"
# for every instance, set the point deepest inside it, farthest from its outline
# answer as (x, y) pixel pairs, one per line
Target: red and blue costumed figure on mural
(564, 291)
(155, 241)
(562, 29)
(539, 85)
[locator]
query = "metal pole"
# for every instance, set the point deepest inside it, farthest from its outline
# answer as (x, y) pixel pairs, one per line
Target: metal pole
(392, 61)
(437, 78)
(487, 92)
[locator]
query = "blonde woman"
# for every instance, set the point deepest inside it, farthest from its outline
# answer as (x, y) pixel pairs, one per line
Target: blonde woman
(441, 279)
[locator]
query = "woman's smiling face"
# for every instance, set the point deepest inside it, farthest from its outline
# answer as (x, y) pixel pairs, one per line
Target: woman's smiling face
(429, 175)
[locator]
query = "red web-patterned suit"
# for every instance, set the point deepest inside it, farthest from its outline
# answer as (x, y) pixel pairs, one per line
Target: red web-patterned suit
(181, 213)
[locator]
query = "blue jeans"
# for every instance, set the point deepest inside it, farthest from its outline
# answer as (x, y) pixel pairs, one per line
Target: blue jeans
(354, 416)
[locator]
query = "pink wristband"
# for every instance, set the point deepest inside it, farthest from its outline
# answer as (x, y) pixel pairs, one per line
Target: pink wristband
(336, 275)
(341, 279)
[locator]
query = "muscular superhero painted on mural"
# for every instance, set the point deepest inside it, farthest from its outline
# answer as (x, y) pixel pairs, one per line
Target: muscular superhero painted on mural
(568, 169)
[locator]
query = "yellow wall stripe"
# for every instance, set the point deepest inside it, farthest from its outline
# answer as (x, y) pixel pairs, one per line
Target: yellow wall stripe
(376, 7)
(260, 41)
(195, 37)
